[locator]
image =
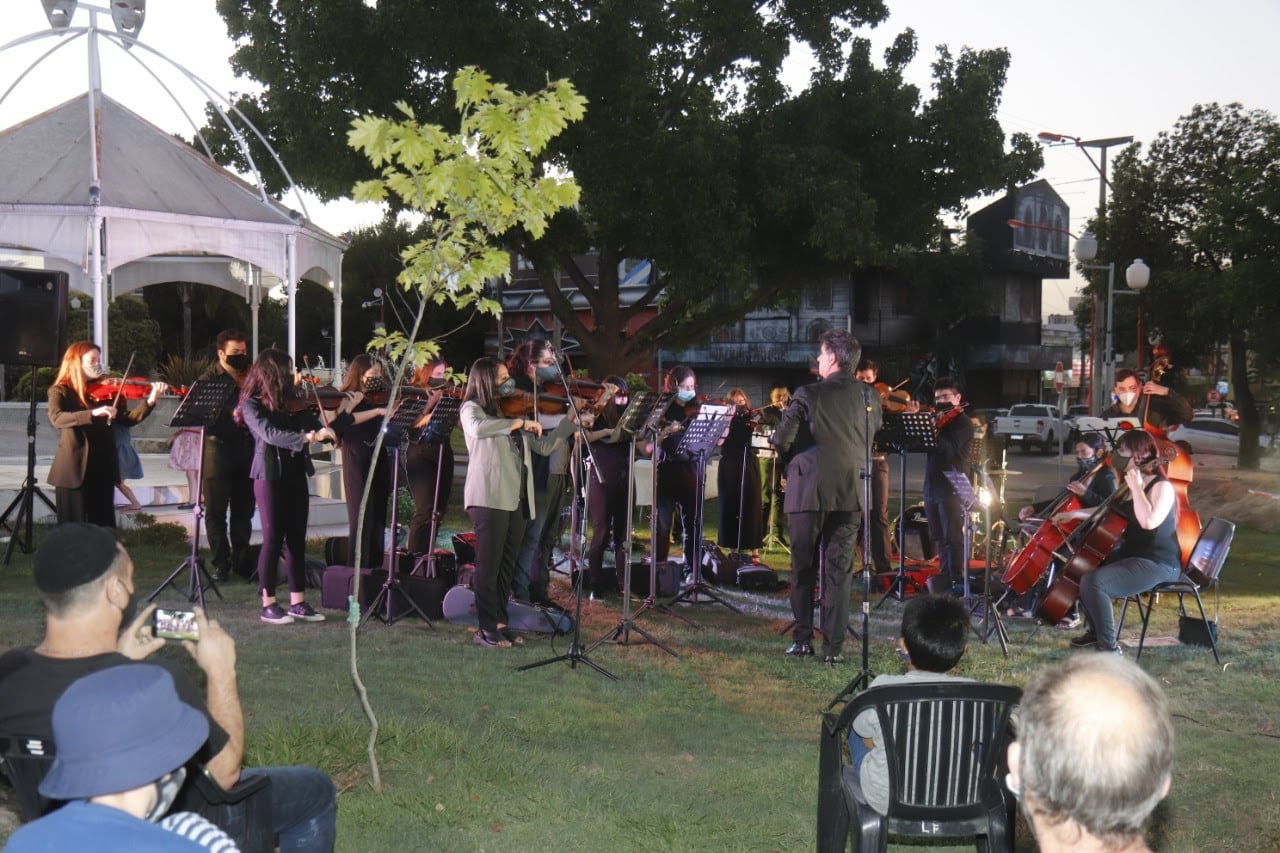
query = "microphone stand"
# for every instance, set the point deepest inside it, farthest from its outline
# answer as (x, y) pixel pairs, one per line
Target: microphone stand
(863, 678)
(575, 654)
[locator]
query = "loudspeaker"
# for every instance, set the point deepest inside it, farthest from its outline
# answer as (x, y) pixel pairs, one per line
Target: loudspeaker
(33, 316)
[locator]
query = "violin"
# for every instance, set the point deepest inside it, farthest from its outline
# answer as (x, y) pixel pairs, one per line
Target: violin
(947, 417)
(892, 399)
(526, 404)
(300, 399)
(108, 389)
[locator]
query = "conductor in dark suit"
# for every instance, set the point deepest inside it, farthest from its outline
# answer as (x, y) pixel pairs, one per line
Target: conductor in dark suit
(826, 428)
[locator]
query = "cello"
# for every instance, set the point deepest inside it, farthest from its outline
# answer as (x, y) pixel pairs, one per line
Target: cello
(1094, 540)
(1045, 547)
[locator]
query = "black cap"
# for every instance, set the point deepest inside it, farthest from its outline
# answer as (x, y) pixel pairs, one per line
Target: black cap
(73, 555)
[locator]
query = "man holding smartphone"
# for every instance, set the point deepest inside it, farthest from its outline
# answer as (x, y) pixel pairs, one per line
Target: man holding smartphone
(85, 581)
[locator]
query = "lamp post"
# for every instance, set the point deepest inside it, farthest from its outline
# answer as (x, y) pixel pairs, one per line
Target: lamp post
(1100, 165)
(1137, 276)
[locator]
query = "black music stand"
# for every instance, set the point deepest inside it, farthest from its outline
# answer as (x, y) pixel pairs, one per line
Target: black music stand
(652, 427)
(396, 430)
(701, 436)
(632, 423)
(30, 490)
(903, 432)
(201, 406)
(441, 420)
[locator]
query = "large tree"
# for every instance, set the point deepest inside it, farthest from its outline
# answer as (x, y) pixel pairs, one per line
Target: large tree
(1203, 209)
(692, 153)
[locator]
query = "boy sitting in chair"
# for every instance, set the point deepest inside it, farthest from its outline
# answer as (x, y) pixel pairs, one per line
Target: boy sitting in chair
(935, 629)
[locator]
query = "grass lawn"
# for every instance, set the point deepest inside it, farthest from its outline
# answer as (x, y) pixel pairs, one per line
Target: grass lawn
(715, 750)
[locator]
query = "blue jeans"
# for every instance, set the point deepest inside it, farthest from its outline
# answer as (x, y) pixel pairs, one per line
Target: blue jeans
(303, 808)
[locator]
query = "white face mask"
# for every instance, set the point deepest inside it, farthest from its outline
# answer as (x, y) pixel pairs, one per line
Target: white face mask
(1128, 398)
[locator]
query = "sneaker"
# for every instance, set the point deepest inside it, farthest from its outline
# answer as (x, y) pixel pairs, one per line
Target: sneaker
(800, 650)
(1088, 638)
(274, 614)
(303, 612)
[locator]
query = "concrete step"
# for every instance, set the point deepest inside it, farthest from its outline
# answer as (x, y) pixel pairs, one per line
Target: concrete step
(161, 489)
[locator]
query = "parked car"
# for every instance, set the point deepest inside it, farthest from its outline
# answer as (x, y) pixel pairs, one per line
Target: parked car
(1032, 424)
(1211, 435)
(1074, 413)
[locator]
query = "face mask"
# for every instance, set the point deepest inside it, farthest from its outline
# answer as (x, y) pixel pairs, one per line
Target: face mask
(945, 407)
(1084, 465)
(94, 371)
(1128, 398)
(372, 384)
(240, 362)
(506, 389)
(167, 789)
(546, 374)
(685, 395)
(620, 402)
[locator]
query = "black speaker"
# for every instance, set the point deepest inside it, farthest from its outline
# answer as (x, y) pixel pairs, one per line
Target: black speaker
(33, 316)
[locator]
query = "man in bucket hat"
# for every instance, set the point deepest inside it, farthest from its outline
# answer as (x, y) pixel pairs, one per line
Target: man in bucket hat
(122, 736)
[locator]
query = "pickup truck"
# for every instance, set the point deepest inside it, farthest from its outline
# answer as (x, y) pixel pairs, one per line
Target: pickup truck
(1030, 424)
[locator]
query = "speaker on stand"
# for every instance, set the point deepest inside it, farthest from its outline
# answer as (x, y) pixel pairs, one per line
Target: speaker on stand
(33, 331)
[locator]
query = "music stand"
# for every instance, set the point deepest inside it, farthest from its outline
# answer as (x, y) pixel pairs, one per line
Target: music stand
(396, 430)
(441, 420)
(630, 423)
(701, 436)
(30, 489)
(903, 432)
(201, 406)
(652, 427)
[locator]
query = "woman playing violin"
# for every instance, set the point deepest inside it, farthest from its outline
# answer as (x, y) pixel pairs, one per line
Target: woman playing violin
(429, 466)
(357, 431)
(738, 480)
(532, 366)
(281, 465)
(85, 470)
(1148, 552)
(607, 496)
(499, 490)
(677, 475)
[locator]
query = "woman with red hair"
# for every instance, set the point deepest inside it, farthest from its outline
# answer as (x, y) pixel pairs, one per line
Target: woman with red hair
(84, 472)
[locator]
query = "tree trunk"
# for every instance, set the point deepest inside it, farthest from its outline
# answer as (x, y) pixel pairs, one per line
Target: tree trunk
(1250, 459)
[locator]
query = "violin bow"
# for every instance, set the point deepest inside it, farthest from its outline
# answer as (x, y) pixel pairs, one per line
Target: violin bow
(115, 402)
(324, 419)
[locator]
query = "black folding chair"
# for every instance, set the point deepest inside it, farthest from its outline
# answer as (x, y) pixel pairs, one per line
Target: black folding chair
(945, 745)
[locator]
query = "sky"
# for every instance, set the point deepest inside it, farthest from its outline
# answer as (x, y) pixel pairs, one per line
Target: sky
(1092, 69)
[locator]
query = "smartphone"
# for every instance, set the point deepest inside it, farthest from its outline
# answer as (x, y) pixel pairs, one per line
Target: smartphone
(176, 624)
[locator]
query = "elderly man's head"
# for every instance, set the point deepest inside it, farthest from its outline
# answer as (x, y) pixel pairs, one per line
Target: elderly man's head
(1095, 749)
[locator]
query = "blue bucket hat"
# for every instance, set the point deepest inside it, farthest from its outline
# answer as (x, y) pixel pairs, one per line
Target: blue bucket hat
(118, 729)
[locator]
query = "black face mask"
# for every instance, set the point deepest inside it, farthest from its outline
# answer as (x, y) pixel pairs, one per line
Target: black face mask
(945, 407)
(1085, 465)
(239, 362)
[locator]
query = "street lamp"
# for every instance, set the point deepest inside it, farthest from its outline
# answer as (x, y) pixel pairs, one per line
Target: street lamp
(75, 306)
(1084, 145)
(1137, 276)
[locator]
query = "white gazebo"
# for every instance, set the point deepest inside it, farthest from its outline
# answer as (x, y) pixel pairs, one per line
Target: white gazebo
(120, 204)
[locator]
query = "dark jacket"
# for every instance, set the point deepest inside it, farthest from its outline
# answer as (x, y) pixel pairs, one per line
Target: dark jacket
(275, 433)
(78, 430)
(826, 428)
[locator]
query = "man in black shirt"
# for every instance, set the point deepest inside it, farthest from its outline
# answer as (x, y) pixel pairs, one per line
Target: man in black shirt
(942, 505)
(228, 455)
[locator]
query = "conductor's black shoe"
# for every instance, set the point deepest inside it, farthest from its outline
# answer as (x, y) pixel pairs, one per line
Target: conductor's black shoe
(221, 575)
(832, 660)
(1088, 638)
(800, 650)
